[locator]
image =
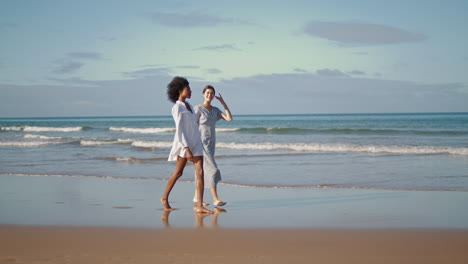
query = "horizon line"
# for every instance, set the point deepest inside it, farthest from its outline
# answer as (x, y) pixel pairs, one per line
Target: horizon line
(129, 116)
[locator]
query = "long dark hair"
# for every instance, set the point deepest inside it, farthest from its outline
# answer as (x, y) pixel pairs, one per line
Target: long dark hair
(175, 87)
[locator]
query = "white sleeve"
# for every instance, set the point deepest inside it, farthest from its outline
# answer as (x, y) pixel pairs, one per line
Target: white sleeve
(181, 133)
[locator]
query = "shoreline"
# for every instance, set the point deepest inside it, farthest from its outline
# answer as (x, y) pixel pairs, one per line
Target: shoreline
(231, 184)
(239, 115)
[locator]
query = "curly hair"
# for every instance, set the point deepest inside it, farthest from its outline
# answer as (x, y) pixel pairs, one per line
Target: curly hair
(175, 87)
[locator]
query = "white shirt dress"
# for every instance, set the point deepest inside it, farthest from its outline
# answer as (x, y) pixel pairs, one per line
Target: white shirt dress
(187, 132)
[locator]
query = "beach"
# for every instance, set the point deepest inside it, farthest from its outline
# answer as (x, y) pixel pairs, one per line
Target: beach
(344, 188)
(326, 131)
(93, 220)
(118, 245)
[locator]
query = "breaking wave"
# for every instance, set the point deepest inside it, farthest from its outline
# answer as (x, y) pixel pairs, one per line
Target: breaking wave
(164, 130)
(132, 159)
(365, 131)
(42, 129)
(151, 144)
(134, 143)
(292, 147)
(150, 130)
(40, 137)
(26, 144)
(373, 149)
(103, 143)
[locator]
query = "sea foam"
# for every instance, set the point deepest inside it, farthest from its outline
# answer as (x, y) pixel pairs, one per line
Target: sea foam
(150, 130)
(372, 149)
(26, 144)
(42, 129)
(152, 144)
(105, 142)
(221, 130)
(31, 136)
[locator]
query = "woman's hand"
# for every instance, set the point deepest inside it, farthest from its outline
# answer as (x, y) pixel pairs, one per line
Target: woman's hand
(226, 116)
(220, 98)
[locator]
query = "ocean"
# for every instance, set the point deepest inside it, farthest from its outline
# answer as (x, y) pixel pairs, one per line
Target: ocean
(424, 151)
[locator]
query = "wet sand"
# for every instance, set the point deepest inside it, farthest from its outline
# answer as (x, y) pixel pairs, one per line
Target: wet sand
(78, 201)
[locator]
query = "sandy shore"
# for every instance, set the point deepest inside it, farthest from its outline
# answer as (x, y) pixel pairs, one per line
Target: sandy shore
(90, 220)
(127, 245)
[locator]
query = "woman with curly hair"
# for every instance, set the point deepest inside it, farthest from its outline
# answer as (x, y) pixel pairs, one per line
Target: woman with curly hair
(187, 143)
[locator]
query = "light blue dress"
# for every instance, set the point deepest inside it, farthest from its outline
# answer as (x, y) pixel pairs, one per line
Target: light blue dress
(207, 126)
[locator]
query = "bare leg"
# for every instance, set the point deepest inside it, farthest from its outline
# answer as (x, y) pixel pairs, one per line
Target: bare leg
(198, 165)
(217, 201)
(195, 199)
(180, 165)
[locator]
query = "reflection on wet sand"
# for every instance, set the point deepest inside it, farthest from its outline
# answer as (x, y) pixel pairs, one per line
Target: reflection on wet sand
(165, 219)
(199, 218)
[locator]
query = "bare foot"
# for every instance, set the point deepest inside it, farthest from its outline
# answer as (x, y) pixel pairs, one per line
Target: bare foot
(165, 204)
(219, 203)
(201, 210)
(204, 204)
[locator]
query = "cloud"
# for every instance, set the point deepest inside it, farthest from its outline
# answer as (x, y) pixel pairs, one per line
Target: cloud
(145, 94)
(310, 93)
(300, 70)
(74, 81)
(224, 47)
(67, 66)
(187, 67)
(73, 61)
(213, 71)
(330, 73)
(76, 97)
(85, 55)
(157, 71)
(360, 34)
(356, 72)
(147, 72)
(193, 19)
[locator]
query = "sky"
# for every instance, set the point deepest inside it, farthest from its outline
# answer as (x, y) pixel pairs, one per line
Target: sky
(63, 58)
